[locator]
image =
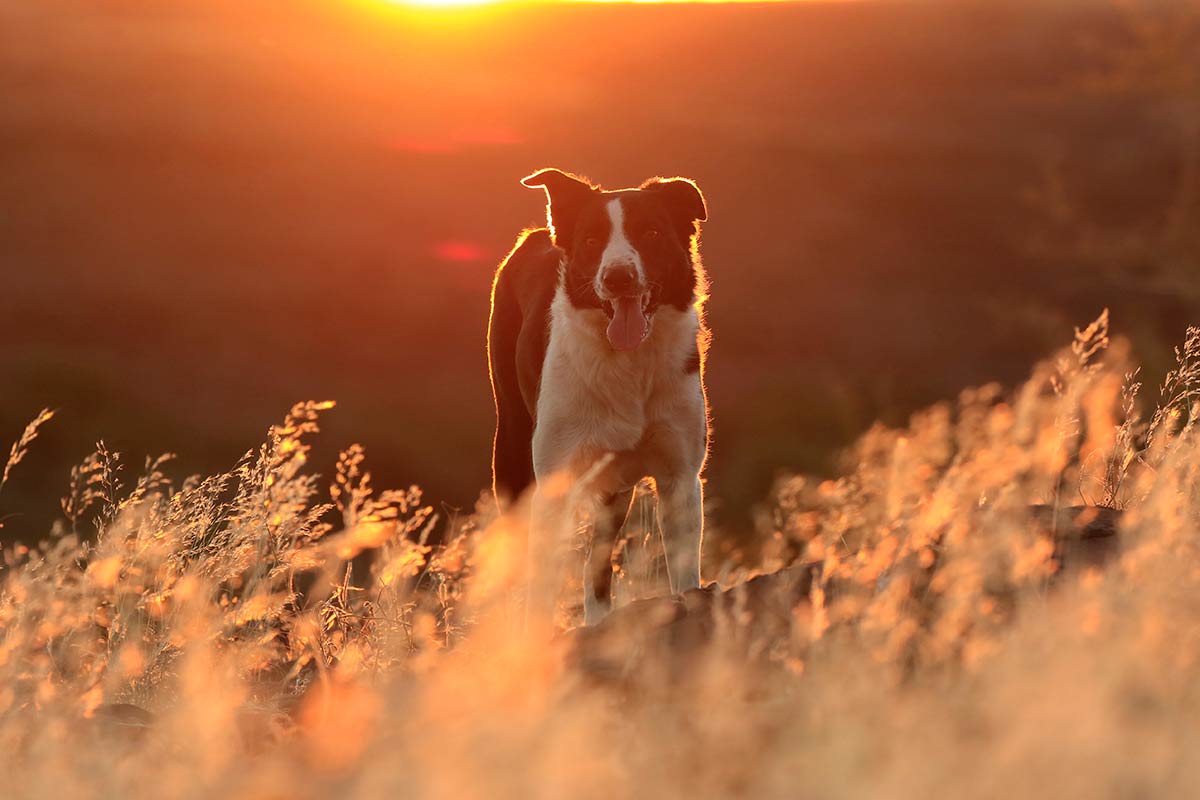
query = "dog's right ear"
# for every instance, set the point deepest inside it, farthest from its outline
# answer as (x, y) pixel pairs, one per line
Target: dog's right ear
(565, 195)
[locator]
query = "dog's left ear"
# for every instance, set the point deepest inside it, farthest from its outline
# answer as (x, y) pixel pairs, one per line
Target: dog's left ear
(683, 199)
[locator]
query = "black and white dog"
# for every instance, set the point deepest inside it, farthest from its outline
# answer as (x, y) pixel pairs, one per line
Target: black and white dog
(596, 348)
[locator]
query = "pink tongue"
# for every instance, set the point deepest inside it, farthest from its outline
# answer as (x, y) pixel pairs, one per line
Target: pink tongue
(629, 325)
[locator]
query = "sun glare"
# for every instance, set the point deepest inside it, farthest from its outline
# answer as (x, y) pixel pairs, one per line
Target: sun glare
(449, 4)
(443, 3)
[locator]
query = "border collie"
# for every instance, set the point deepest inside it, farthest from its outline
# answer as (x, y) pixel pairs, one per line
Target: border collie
(596, 347)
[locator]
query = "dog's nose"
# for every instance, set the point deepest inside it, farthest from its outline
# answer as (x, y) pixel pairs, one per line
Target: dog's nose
(618, 281)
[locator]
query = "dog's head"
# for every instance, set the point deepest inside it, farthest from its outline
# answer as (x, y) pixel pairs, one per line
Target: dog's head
(628, 252)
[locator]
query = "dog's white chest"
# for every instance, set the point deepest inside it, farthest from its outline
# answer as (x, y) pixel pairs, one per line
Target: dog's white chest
(593, 400)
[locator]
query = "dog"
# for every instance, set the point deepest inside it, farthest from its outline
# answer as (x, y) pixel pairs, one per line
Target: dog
(596, 350)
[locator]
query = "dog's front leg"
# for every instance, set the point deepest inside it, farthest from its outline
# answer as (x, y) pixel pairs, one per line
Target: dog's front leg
(681, 520)
(608, 519)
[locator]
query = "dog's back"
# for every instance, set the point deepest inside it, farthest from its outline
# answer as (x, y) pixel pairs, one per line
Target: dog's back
(517, 333)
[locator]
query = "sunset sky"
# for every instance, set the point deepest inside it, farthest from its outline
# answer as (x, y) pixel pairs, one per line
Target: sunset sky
(463, 3)
(206, 187)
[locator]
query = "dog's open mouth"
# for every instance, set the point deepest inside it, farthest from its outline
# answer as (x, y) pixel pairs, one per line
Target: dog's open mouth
(629, 320)
(610, 310)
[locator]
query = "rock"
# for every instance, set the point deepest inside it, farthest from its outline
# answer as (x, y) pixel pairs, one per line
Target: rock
(662, 632)
(661, 629)
(1084, 536)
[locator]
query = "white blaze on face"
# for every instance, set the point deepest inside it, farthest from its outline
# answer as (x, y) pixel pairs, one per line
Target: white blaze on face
(619, 251)
(629, 325)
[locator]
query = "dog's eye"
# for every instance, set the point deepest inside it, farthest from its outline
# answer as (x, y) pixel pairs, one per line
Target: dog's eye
(651, 233)
(591, 242)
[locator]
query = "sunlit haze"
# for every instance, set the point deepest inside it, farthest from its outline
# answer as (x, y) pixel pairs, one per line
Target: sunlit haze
(594, 399)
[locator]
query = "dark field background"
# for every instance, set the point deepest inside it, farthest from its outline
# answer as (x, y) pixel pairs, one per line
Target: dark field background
(209, 211)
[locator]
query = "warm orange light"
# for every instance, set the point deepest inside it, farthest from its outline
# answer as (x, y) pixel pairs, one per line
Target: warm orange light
(442, 3)
(467, 3)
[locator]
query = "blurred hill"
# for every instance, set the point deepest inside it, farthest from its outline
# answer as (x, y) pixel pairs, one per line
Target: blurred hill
(210, 210)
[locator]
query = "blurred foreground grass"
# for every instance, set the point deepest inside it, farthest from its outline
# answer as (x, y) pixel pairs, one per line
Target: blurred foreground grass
(212, 638)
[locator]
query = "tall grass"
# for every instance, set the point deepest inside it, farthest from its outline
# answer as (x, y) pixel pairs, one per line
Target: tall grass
(945, 622)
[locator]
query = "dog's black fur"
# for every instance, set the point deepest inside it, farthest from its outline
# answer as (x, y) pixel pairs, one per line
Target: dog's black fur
(526, 282)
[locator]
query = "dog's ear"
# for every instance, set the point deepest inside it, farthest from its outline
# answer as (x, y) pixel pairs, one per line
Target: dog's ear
(566, 194)
(683, 200)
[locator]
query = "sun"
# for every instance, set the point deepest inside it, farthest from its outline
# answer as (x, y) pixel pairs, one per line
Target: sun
(453, 4)
(443, 3)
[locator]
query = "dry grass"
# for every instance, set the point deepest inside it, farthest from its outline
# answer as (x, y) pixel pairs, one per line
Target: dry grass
(210, 638)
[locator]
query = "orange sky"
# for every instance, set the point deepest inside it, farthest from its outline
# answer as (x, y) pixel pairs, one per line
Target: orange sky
(457, 3)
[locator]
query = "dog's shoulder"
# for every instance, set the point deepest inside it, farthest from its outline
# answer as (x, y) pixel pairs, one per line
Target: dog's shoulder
(521, 297)
(531, 267)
